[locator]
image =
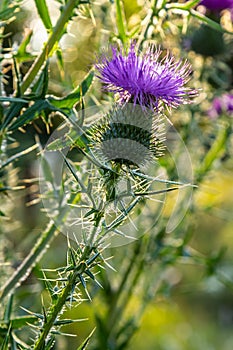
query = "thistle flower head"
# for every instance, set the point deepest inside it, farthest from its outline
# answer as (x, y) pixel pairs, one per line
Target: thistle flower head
(146, 78)
(221, 105)
(127, 136)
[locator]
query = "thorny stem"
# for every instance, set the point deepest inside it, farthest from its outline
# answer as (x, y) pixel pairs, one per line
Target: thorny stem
(62, 299)
(38, 250)
(54, 312)
(54, 37)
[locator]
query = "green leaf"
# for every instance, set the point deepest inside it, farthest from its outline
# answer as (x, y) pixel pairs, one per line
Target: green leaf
(8, 13)
(84, 344)
(48, 105)
(43, 11)
(13, 99)
(70, 139)
(8, 309)
(71, 99)
(12, 112)
(31, 113)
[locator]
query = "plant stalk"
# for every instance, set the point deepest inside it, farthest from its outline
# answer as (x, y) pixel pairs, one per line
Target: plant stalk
(53, 38)
(29, 262)
(56, 309)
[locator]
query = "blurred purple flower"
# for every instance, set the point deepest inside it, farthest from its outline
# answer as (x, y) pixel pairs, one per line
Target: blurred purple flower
(217, 5)
(144, 78)
(221, 104)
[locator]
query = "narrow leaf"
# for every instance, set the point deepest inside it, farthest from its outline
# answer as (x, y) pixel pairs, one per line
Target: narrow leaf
(31, 113)
(8, 308)
(84, 344)
(43, 11)
(18, 155)
(8, 13)
(71, 99)
(13, 99)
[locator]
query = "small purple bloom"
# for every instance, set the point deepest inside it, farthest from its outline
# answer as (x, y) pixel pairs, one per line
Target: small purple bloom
(145, 78)
(217, 5)
(221, 105)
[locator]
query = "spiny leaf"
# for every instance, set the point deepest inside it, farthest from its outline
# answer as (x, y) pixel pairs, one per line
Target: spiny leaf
(71, 99)
(12, 112)
(32, 112)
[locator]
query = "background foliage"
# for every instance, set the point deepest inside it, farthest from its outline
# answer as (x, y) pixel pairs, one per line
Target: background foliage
(172, 289)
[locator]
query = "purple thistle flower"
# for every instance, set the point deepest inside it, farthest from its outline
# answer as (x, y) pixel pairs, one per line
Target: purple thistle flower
(221, 105)
(144, 78)
(217, 5)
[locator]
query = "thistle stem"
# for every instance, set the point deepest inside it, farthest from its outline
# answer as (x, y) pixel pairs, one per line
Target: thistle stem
(53, 38)
(57, 308)
(120, 20)
(54, 312)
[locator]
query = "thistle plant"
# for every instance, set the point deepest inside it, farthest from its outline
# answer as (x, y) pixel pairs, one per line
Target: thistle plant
(109, 162)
